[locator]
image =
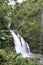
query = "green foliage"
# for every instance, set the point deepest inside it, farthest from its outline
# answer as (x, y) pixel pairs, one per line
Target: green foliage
(27, 22)
(6, 60)
(26, 17)
(4, 38)
(3, 56)
(7, 18)
(16, 56)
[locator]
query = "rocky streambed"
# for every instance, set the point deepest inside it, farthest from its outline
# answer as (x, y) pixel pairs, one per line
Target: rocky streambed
(35, 57)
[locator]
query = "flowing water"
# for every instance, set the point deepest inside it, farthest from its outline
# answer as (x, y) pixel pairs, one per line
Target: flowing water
(21, 46)
(17, 43)
(25, 50)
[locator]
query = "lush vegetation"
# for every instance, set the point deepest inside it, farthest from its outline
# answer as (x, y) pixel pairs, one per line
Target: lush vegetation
(15, 59)
(25, 19)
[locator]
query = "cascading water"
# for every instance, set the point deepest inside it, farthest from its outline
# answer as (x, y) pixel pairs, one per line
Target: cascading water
(16, 42)
(24, 46)
(21, 46)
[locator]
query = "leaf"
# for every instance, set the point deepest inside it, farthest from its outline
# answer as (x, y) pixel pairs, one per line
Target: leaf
(3, 38)
(7, 18)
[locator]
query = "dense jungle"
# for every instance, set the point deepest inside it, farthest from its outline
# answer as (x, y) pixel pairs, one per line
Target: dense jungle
(25, 19)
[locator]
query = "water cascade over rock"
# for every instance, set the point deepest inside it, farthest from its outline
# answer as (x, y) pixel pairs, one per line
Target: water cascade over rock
(21, 46)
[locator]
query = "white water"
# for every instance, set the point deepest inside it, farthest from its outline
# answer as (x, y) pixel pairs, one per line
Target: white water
(21, 46)
(16, 42)
(24, 46)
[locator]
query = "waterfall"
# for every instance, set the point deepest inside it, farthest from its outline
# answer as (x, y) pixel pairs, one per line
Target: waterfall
(17, 43)
(24, 46)
(20, 45)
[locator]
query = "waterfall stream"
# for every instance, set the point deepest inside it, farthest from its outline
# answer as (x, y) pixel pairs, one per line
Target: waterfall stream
(16, 42)
(21, 46)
